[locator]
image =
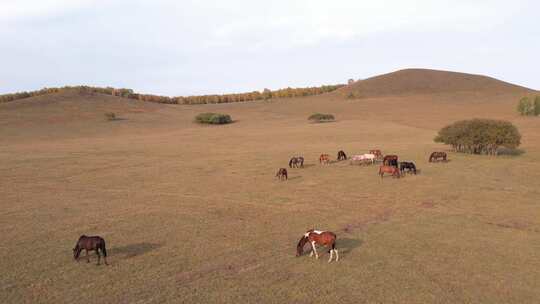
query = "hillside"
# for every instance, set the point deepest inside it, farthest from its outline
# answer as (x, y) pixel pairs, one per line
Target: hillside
(424, 81)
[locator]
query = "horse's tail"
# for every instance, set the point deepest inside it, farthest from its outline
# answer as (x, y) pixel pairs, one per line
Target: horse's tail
(103, 248)
(290, 163)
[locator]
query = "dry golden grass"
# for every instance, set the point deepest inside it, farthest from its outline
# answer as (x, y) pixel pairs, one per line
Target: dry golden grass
(194, 214)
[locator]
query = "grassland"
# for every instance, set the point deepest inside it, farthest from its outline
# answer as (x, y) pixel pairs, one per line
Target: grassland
(193, 214)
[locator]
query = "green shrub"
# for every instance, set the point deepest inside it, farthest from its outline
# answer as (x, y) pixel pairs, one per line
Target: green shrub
(480, 136)
(526, 106)
(110, 116)
(537, 106)
(213, 118)
(319, 117)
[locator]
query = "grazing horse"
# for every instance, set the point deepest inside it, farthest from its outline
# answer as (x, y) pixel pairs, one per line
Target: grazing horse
(89, 243)
(363, 158)
(341, 155)
(317, 237)
(376, 152)
(407, 165)
(324, 159)
(394, 171)
(393, 162)
(389, 157)
(436, 155)
(296, 161)
(282, 174)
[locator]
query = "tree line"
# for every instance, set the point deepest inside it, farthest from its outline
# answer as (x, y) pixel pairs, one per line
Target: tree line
(186, 100)
(480, 136)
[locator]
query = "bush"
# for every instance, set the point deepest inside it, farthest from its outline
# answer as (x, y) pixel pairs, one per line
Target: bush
(213, 118)
(110, 116)
(318, 117)
(480, 136)
(537, 106)
(527, 107)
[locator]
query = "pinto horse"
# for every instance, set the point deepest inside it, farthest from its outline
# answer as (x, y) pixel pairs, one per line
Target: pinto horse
(89, 243)
(341, 155)
(409, 166)
(282, 174)
(324, 159)
(317, 237)
(387, 158)
(296, 161)
(394, 171)
(376, 152)
(436, 155)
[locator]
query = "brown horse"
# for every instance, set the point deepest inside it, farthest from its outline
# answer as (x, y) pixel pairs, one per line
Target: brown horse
(388, 158)
(324, 159)
(394, 171)
(377, 153)
(435, 156)
(317, 237)
(341, 155)
(282, 174)
(89, 243)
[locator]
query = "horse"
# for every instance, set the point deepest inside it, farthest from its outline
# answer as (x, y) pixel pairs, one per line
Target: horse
(392, 162)
(317, 237)
(296, 161)
(324, 159)
(89, 243)
(389, 157)
(363, 158)
(436, 155)
(376, 152)
(394, 171)
(341, 155)
(407, 165)
(282, 174)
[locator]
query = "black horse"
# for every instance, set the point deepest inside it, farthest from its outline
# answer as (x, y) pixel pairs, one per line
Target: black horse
(341, 155)
(90, 243)
(409, 166)
(296, 161)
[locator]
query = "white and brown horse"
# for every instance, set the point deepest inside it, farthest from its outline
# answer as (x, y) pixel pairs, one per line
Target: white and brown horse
(317, 237)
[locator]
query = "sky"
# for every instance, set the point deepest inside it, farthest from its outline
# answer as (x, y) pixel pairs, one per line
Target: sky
(189, 47)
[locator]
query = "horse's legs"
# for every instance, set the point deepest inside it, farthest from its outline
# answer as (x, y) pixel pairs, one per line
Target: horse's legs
(337, 256)
(331, 255)
(87, 257)
(98, 256)
(314, 249)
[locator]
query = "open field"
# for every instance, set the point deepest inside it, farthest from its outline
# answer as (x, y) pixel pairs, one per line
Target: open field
(193, 213)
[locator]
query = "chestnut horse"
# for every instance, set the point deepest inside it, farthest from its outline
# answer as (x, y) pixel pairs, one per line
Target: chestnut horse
(376, 152)
(296, 161)
(341, 155)
(89, 243)
(282, 174)
(324, 159)
(317, 237)
(394, 171)
(387, 158)
(436, 155)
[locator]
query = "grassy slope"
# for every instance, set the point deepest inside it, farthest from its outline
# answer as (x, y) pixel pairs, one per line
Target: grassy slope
(193, 213)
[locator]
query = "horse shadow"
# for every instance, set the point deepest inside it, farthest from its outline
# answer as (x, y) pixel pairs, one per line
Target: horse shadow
(347, 245)
(294, 177)
(133, 250)
(511, 152)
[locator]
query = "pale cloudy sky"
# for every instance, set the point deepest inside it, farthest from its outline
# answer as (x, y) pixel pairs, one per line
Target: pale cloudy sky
(188, 47)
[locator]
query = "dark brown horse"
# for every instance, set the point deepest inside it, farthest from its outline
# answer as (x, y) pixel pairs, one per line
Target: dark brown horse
(282, 174)
(376, 152)
(435, 156)
(387, 158)
(394, 171)
(341, 155)
(324, 159)
(409, 166)
(296, 161)
(89, 243)
(317, 237)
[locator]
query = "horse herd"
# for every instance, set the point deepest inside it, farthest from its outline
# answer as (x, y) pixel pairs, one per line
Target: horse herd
(390, 165)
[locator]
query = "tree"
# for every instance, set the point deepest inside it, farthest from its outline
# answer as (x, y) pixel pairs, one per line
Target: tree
(537, 105)
(526, 106)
